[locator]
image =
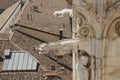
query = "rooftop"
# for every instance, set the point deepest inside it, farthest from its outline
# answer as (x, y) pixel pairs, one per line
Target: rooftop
(19, 42)
(4, 4)
(4, 36)
(38, 14)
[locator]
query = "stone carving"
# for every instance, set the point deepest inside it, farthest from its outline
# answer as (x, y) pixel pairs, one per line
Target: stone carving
(117, 5)
(113, 5)
(63, 13)
(114, 28)
(82, 72)
(109, 10)
(85, 31)
(117, 28)
(83, 65)
(83, 4)
(65, 46)
(80, 19)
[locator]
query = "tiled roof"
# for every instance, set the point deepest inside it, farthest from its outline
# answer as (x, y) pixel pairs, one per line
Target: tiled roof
(4, 4)
(38, 14)
(27, 43)
(4, 36)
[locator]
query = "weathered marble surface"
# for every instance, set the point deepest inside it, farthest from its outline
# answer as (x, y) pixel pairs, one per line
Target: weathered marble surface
(96, 23)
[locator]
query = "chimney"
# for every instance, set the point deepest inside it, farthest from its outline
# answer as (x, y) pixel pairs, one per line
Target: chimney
(60, 34)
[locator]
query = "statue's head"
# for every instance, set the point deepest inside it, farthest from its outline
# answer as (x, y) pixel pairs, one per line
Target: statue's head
(84, 58)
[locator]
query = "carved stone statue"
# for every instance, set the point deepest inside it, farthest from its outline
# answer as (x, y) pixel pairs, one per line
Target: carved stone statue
(65, 46)
(82, 72)
(83, 65)
(63, 13)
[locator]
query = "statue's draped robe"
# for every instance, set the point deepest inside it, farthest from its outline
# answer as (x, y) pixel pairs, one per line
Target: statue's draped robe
(82, 72)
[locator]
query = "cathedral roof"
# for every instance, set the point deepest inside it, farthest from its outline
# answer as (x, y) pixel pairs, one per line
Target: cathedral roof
(21, 42)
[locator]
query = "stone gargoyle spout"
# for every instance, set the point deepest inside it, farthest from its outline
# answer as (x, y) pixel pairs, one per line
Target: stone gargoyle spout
(65, 46)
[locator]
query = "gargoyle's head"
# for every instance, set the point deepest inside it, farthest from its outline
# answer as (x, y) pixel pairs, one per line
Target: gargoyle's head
(43, 48)
(58, 14)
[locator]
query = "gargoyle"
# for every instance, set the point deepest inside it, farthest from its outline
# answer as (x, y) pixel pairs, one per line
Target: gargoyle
(63, 13)
(65, 46)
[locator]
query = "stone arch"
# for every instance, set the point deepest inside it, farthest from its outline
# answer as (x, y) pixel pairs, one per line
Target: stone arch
(86, 31)
(110, 26)
(114, 29)
(111, 16)
(90, 21)
(114, 4)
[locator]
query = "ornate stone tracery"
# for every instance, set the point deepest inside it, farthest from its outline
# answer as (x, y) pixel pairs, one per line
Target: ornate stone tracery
(85, 31)
(80, 19)
(111, 9)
